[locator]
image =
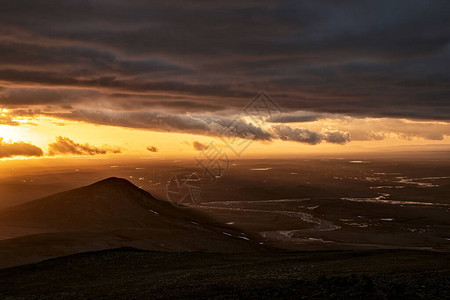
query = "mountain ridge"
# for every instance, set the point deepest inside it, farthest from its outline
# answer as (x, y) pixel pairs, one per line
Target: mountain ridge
(94, 206)
(109, 213)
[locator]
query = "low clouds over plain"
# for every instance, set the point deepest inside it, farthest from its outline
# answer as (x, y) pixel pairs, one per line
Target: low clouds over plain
(11, 149)
(66, 146)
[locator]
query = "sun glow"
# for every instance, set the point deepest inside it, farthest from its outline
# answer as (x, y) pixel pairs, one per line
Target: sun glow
(43, 130)
(11, 133)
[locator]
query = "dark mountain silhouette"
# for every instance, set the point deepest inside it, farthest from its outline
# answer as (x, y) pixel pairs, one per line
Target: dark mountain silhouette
(107, 214)
(107, 204)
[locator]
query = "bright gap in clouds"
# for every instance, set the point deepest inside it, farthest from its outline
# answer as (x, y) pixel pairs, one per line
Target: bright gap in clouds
(42, 131)
(14, 133)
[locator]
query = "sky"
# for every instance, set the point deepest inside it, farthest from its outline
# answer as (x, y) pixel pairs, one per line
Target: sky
(140, 78)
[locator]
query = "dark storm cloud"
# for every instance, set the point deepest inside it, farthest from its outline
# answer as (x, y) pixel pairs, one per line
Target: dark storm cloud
(199, 146)
(365, 58)
(204, 125)
(164, 122)
(287, 133)
(66, 99)
(152, 149)
(83, 61)
(23, 97)
(337, 137)
(295, 117)
(66, 146)
(18, 149)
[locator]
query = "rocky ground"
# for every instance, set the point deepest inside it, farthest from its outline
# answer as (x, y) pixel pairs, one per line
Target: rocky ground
(128, 273)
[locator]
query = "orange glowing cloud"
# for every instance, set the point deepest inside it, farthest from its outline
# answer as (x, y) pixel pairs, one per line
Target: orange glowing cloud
(18, 149)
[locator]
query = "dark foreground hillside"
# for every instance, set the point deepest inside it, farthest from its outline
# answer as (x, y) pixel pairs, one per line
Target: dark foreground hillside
(127, 273)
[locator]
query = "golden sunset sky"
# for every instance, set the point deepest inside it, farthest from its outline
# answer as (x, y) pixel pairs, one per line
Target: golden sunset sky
(136, 79)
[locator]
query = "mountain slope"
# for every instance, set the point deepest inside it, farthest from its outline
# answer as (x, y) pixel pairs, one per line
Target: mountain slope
(110, 203)
(108, 214)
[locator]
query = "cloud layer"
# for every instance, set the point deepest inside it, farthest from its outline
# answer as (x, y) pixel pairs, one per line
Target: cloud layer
(306, 136)
(18, 149)
(199, 146)
(363, 58)
(152, 149)
(65, 146)
(205, 125)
